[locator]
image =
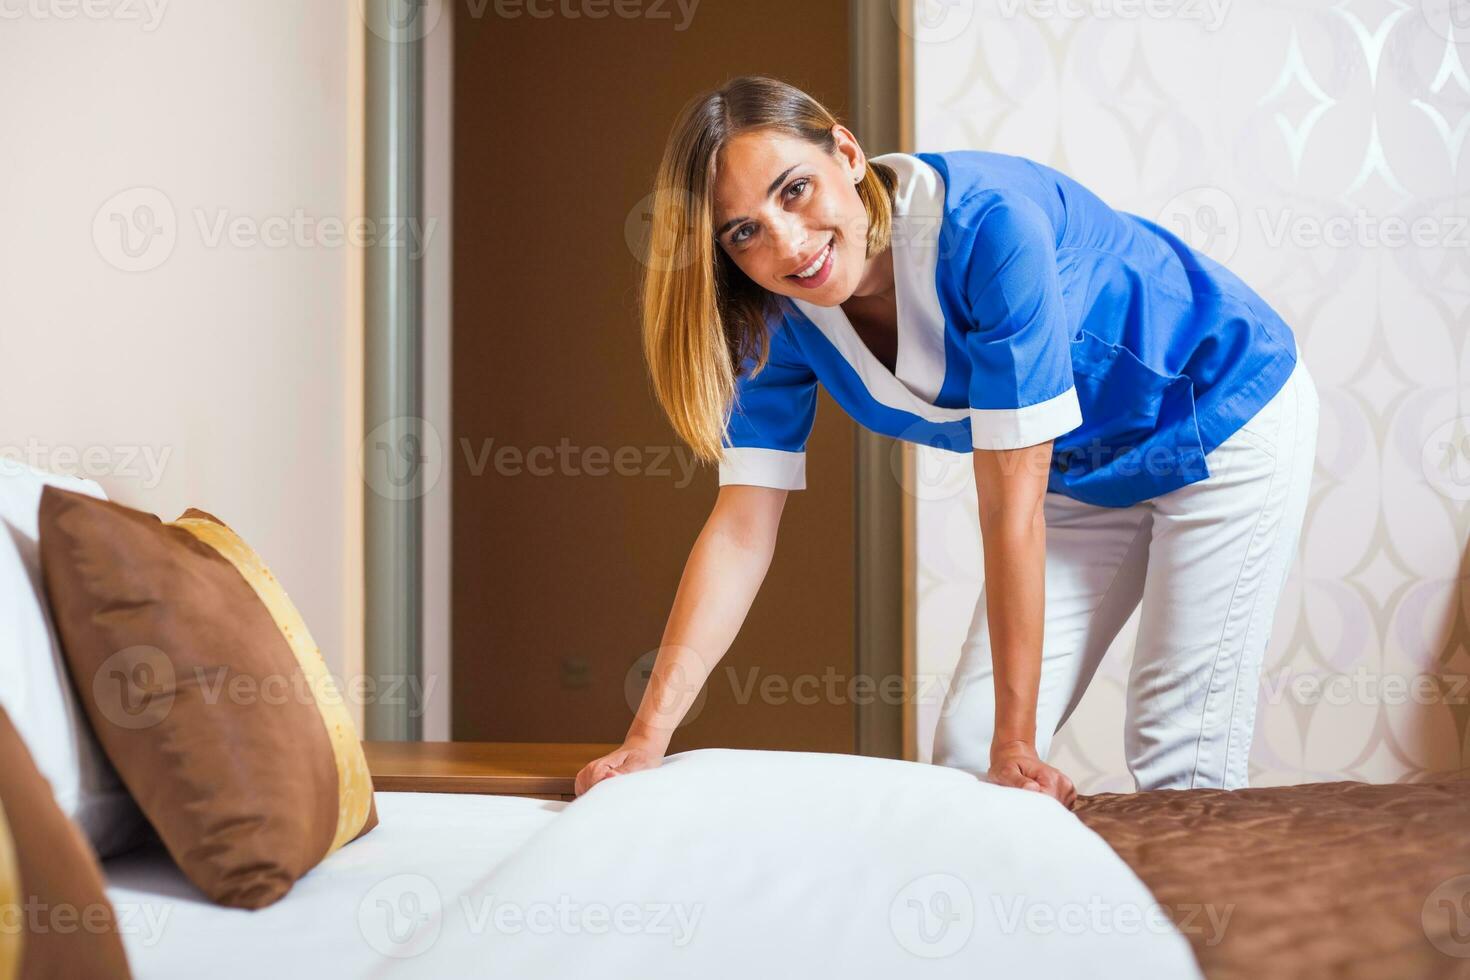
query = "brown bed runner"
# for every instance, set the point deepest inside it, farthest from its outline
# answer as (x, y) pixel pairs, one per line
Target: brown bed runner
(1341, 879)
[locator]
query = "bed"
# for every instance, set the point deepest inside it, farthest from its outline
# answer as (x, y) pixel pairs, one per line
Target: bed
(1341, 879)
(332, 923)
(721, 863)
(829, 865)
(279, 858)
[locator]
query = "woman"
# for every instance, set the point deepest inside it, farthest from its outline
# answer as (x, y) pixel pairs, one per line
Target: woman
(1141, 426)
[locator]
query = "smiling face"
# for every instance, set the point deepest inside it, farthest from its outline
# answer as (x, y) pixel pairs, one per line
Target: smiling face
(784, 207)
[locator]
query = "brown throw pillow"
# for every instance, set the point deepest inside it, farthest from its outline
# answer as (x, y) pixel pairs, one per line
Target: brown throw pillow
(207, 694)
(55, 919)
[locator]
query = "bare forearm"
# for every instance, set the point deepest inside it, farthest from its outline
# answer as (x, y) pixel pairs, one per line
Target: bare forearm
(724, 572)
(1015, 587)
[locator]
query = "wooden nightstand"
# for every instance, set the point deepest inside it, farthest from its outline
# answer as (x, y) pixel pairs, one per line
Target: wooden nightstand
(542, 770)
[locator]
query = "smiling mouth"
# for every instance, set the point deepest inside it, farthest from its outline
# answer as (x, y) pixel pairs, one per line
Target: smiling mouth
(815, 266)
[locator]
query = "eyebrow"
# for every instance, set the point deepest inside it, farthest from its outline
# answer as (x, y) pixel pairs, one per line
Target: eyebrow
(720, 232)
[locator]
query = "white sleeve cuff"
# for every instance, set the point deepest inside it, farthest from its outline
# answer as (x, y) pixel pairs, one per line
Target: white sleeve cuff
(1015, 428)
(774, 468)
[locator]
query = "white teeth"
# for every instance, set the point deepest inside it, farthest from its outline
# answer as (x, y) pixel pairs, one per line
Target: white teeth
(816, 265)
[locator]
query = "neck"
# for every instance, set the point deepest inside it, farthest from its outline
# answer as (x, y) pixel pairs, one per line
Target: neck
(877, 279)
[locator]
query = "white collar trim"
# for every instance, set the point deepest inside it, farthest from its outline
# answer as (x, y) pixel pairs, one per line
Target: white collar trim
(918, 211)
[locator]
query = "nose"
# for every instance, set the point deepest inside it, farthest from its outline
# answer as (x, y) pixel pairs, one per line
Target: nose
(791, 238)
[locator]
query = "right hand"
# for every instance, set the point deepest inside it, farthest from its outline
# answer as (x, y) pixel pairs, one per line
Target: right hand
(624, 759)
(1016, 764)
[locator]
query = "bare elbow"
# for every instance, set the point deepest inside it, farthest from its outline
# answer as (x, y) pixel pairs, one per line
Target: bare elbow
(1013, 517)
(1011, 489)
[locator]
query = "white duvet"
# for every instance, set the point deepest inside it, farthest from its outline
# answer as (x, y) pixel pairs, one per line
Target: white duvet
(721, 863)
(749, 864)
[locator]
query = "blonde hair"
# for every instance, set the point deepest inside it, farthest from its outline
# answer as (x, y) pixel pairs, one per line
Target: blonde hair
(702, 316)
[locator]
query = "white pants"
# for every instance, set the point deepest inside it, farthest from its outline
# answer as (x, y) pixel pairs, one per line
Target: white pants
(1208, 562)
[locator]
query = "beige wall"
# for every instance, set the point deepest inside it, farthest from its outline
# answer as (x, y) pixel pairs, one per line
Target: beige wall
(1229, 122)
(222, 374)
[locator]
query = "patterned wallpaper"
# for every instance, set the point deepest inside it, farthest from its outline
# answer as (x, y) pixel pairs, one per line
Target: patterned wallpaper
(1320, 150)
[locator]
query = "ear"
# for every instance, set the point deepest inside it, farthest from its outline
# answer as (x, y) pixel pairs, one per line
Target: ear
(850, 152)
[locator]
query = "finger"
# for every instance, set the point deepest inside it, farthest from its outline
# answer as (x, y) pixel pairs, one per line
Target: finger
(1032, 784)
(586, 777)
(594, 773)
(1049, 780)
(1008, 776)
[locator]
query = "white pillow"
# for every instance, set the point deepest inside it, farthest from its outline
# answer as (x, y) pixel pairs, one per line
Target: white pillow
(34, 686)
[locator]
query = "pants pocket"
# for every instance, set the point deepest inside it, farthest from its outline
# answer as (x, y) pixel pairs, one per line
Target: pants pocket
(1263, 429)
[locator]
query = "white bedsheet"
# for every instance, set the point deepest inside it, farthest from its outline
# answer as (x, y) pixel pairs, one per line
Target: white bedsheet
(721, 863)
(326, 927)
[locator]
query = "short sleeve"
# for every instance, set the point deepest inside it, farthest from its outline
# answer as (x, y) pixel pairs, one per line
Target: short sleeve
(1022, 390)
(770, 420)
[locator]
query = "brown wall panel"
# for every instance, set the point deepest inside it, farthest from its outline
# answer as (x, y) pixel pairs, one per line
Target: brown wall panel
(561, 581)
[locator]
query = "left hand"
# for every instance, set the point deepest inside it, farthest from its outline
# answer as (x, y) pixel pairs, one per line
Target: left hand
(1016, 764)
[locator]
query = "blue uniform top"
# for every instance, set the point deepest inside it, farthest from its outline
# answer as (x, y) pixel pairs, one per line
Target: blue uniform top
(1028, 310)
